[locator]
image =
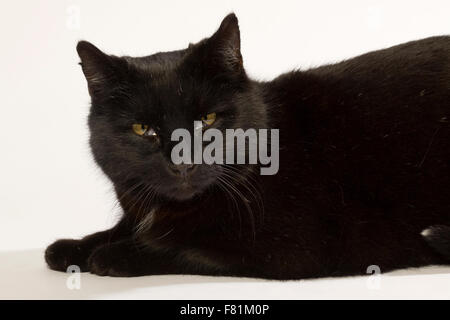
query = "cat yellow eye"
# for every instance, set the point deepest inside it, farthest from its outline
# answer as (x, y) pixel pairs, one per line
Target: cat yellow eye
(140, 129)
(209, 120)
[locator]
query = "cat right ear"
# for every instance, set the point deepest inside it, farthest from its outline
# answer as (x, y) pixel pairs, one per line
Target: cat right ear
(225, 46)
(99, 68)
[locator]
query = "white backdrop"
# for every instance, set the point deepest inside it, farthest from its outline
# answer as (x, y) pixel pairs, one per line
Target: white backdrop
(49, 186)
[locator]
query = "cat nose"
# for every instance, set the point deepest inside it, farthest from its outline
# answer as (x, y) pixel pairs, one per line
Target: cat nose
(182, 169)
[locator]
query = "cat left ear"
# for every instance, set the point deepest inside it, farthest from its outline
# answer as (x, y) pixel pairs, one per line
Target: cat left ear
(226, 44)
(99, 68)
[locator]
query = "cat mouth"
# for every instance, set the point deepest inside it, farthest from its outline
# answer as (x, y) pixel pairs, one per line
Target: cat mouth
(184, 193)
(184, 190)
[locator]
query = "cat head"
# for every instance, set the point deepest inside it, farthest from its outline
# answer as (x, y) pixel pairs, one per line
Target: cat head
(136, 104)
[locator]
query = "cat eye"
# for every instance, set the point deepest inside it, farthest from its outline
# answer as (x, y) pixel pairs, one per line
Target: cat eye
(140, 129)
(209, 120)
(143, 130)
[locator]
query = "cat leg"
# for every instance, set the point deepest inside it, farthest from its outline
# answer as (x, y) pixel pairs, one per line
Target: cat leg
(65, 252)
(128, 258)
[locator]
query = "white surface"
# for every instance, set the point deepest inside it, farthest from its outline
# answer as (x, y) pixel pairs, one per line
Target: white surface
(23, 275)
(49, 186)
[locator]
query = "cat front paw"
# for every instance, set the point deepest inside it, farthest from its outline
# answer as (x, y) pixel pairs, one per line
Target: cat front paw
(115, 260)
(64, 253)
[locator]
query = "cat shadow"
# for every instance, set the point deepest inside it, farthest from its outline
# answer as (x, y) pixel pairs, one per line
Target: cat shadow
(428, 270)
(24, 275)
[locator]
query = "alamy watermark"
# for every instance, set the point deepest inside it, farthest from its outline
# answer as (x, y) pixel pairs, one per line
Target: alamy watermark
(73, 281)
(240, 145)
(73, 21)
(374, 280)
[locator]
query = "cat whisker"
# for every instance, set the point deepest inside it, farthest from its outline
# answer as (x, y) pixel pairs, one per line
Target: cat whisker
(252, 190)
(236, 205)
(245, 201)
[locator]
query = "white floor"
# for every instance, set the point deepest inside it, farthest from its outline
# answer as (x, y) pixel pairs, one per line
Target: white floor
(23, 275)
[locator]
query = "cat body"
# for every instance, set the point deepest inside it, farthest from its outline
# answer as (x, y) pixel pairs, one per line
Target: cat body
(363, 180)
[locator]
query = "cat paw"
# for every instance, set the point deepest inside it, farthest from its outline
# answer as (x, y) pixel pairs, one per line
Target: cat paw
(119, 259)
(114, 260)
(64, 253)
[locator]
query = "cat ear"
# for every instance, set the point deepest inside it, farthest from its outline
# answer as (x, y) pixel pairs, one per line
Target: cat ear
(98, 67)
(226, 44)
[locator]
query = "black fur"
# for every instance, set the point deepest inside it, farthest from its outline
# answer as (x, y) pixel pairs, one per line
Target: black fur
(364, 164)
(438, 237)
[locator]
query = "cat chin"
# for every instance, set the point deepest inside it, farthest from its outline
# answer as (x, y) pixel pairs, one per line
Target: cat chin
(183, 193)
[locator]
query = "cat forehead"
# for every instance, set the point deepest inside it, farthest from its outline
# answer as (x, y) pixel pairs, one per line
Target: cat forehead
(158, 62)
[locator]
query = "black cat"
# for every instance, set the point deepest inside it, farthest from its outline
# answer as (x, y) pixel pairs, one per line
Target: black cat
(364, 176)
